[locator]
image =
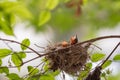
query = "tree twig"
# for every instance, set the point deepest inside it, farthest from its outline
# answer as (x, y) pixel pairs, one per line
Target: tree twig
(110, 54)
(20, 44)
(95, 74)
(99, 38)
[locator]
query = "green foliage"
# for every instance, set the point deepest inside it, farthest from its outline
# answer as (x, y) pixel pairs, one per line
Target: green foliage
(46, 66)
(13, 76)
(21, 54)
(108, 71)
(32, 71)
(0, 62)
(44, 17)
(16, 8)
(115, 77)
(51, 4)
(94, 15)
(107, 63)
(4, 52)
(97, 56)
(36, 77)
(116, 57)
(49, 75)
(25, 42)
(105, 74)
(8, 12)
(30, 10)
(85, 72)
(4, 70)
(4, 24)
(89, 66)
(82, 75)
(17, 60)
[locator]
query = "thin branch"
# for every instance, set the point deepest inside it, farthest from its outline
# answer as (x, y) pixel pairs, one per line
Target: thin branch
(8, 46)
(35, 68)
(97, 46)
(95, 74)
(20, 44)
(29, 51)
(110, 54)
(93, 40)
(39, 46)
(22, 63)
(31, 59)
(99, 38)
(25, 61)
(40, 55)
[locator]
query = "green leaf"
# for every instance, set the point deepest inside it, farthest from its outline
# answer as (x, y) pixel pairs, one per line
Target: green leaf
(55, 73)
(82, 75)
(65, 1)
(47, 77)
(0, 62)
(103, 74)
(25, 42)
(50, 75)
(12, 19)
(108, 71)
(51, 4)
(44, 17)
(97, 56)
(4, 52)
(22, 12)
(36, 77)
(106, 64)
(46, 66)
(89, 66)
(85, 2)
(16, 59)
(17, 8)
(13, 76)
(116, 57)
(32, 71)
(22, 54)
(4, 25)
(4, 70)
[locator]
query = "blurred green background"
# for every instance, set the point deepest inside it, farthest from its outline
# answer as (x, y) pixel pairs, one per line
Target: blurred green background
(41, 14)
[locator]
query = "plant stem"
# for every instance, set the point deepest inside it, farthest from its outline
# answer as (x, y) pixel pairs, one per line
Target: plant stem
(110, 54)
(99, 38)
(20, 44)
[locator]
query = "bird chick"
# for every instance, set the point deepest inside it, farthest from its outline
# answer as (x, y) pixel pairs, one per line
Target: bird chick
(73, 40)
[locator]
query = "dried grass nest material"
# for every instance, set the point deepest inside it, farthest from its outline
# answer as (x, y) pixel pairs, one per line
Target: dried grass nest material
(71, 59)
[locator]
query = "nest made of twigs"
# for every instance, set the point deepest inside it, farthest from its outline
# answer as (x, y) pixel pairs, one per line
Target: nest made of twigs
(71, 59)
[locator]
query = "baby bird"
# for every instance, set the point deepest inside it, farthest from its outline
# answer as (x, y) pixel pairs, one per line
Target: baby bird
(73, 40)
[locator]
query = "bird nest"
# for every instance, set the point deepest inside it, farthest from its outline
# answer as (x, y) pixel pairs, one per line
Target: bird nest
(70, 59)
